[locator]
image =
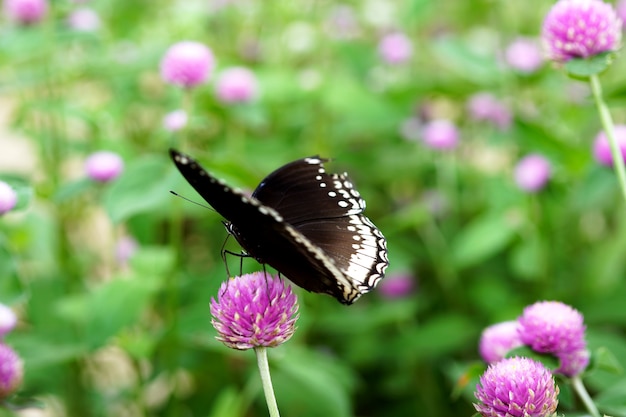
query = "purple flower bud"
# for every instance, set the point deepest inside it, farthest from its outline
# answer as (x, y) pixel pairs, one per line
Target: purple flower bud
(237, 85)
(395, 48)
(11, 371)
(254, 310)
(8, 198)
(104, 166)
(517, 387)
(498, 339)
(175, 120)
(532, 173)
(187, 64)
(125, 248)
(580, 29)
(523, 55)
(8, 320)
(26, 12)
(602, 148)
(440, 134)
(84, 19)
(396, 286)
(556, 328)
(486, 107)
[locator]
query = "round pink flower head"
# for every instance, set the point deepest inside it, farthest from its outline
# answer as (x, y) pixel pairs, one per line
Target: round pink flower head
(523, 55)
(519, 387)
(498, 339)
(620, 8)
(573, 363)
(397, 286)
(11, 371)
(187, 64)
(532, 173)
(26, 12)
(8, 197)
(580, 29)
(440, 134)
(175, 120)
(237, 85)
(486, 107)
(8, 320)
(602, 148)
(254, 310)
(395, 48)
(552, 327)
(84, 19)
(104, 166)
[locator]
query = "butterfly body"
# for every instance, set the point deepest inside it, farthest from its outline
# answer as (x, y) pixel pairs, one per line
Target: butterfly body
(303, 222)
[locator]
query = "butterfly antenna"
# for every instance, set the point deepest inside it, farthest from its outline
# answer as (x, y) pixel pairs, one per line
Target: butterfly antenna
(191, 201)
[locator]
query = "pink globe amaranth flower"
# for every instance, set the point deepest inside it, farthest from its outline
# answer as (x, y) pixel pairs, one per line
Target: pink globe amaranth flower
(395, 48)
(524, 55)
(125, 248)
(8, 320)
(620, 8)
(602, 148)
(486, 107)
(175, 120)
(84, 19)
(104, 166)
(254, 310)
(237, 85)
(580, 29)
(498, 339)
(26, 12)
(440, 134)
(517, 387)
(558, 329)
(187, 64)
(11, 371)
(396, 286)
(8, 197)
(532, 173)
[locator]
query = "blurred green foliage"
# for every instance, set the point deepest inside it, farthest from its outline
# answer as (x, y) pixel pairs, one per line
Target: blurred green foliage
(101, 337)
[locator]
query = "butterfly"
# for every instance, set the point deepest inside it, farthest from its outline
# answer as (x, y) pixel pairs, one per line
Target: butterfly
(302, 221)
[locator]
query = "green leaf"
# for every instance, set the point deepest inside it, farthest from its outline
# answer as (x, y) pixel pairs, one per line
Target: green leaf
(483, 238)
(549, 361)
(73, 189)
(585, 67)
(603, 358)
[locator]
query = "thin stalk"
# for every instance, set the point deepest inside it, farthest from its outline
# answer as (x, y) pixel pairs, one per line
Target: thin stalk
(268, 389)
(607, 124)
(580, 389)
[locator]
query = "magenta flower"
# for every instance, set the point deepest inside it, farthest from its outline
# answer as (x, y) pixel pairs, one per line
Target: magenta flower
(602, 148)
(498, 339)
(26, 12)
(517, 387)
(187, 64)
(237, 85)
(558, 329)
(396, 286)
(440, 134)
(104, 166)
(580, 29)
(84, 19)
(175, 120)
(532, 173)
(254, 310)
(620, 8)
(8, 320)
(11, 371)
(523, 55)
(395, 48)
(486, 107)
(8, 197)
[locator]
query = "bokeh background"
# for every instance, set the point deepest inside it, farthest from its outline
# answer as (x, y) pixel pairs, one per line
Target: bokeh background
(112, 281)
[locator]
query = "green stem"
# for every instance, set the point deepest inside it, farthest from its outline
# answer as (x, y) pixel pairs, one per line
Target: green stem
(264, 370)
(607, 124)
(580, 389)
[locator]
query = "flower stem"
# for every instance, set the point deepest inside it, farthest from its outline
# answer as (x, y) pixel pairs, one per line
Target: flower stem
(607, 124)
(264, 370)
(584, 396)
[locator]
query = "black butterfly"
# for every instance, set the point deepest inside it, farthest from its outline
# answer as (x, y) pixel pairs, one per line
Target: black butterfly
(303, 222)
